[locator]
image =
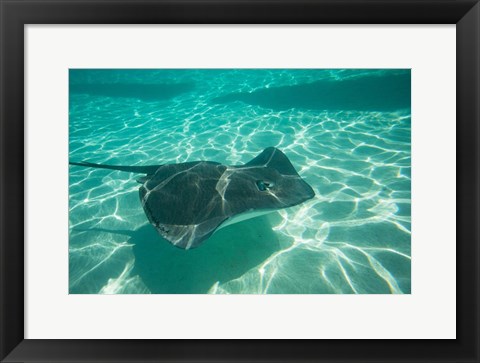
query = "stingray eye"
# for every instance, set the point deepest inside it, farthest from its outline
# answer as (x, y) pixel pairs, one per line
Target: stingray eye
(263, 185)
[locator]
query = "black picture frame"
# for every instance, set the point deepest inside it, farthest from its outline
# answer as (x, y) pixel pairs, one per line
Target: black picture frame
(15, 14)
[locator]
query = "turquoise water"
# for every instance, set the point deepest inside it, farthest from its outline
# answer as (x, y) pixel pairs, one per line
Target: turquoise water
(347, 133)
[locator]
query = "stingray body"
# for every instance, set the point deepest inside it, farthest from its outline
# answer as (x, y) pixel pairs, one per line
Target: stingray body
(188, 202)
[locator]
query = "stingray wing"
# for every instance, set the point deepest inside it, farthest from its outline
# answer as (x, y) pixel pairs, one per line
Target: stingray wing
(181, 201)
(268, 181)
(189, 236)
(273, 158)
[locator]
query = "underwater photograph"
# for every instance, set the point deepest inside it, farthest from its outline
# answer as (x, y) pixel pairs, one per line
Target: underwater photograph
(239, 181)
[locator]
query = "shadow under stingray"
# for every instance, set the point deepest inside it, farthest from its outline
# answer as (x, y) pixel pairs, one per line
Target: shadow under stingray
(144, 92)
(228, 254)
(367, 93)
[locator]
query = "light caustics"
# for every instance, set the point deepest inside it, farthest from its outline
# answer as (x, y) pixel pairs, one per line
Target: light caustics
(353, 237)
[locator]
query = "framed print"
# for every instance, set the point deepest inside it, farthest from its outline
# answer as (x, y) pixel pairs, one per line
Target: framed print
(314, 163)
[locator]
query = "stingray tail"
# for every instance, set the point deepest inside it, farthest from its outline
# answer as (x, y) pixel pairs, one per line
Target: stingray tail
(149, 169)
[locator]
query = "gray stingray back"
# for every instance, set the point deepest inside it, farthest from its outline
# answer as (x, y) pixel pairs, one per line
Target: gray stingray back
(187, 202)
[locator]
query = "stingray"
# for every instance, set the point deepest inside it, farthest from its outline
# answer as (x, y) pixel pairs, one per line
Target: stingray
(188, 202)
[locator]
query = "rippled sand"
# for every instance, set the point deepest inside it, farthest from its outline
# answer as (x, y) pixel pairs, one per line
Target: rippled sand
(353, 237)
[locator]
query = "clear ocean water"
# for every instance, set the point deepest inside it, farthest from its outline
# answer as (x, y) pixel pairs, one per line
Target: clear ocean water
(347, 132)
